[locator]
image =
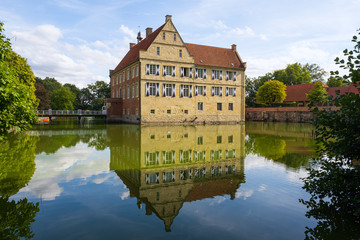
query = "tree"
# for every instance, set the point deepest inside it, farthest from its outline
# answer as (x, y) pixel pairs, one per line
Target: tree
(17, 92)
(317, 73)
(51, 84)
(293, 74)
(334, 183)
(271, 92)
(62, 99)
(317, 94)
(77, 92)
(337, 81)
(99, 91)
(43, 95)
(252, 85)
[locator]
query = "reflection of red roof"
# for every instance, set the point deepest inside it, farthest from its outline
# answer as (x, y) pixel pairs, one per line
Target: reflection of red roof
(342, 90)
(210, 189)
(297, 93)
(133, 54)
(214, 56)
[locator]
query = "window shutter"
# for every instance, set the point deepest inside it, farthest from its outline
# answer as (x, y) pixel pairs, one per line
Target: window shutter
(181, 90)
(173, 156)
(196, 156)
(173, 176)
(147, 69)
(212, 74)
(157, 89)
(157, 69)
(163, 156)
(157, 158)
(196, 73)
(204, 90)
(173, 90)
(212, 91)
(234, 76)
(182, 72)
(220, 74)
(196, 90)
(204, 73)
(227, 91)
(157, 177)
(173, 71)
(147, 90)
(147, 158)
(164, 70)
(190, 72)
(164, 90)
(227, 75)
(164, 177)
(204, 155)
(234, 92)
(190, 155)
(181, 156)
(190, 91)
(220, 91)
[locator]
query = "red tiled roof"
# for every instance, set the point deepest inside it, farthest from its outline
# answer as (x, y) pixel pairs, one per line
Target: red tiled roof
(297, 93)
(342, 90)
(214, 56)
(133, 54)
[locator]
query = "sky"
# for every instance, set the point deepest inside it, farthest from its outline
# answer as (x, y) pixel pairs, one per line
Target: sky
(79, 41)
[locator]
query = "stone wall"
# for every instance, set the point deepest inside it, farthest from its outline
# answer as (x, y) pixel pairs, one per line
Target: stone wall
(283, 114)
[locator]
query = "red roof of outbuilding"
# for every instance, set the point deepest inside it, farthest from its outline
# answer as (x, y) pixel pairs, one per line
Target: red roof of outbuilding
(342, 90)
(297, 93)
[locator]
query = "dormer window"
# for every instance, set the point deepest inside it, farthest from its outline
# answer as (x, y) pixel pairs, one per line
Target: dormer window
(158, 50)
(163, 35)
(180, 53)
(174, 36)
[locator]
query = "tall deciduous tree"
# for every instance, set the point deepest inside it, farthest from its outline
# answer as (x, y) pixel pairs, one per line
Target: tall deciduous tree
(62, 99)
(293, 74)
(51, 84)
(77, 92)
(43, 95)
(271, 92)
(317, 73)
(17, 92)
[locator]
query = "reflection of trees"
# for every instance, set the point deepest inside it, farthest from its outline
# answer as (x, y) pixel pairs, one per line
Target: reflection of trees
(334, 201)
(17, 163)
(294, 160)
(270, 147)
(16, 217)
(52, 144)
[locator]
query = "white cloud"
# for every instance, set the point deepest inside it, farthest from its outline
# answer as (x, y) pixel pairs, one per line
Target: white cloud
(244, 193)
(128, 31)
(125, 195)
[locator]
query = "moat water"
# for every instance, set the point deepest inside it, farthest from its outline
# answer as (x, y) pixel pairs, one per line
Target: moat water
(95, 181)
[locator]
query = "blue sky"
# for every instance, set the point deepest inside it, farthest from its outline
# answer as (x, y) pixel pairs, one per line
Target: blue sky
(78, 41)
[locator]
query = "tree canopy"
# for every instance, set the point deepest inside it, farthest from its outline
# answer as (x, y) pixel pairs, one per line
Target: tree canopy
(17, 92)
(293, 74)
(271, 92)
(62, 99)
(317, 94)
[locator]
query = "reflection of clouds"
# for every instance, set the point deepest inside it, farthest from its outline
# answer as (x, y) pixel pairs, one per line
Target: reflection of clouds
(244, 193)
(218, 200)
(101, 180)
(125, 195)
(67, 164)
(262, 187)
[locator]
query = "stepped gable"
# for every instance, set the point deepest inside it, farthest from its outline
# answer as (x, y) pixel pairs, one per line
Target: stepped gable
(215, 56)
(133, 54)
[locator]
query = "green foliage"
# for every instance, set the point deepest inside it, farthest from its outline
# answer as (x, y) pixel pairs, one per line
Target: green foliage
(334, 183)
(293, 74)
(17, 92)
(17, 162)
(317, 94)
(271, 92)
(317, 73)
(77, 93)
(16, 218)
(62, 99)
(51, 84)
(336, 81)
(43, 95)
(252, 85)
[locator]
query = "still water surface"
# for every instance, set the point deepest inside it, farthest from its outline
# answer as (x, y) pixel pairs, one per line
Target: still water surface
(94, 181)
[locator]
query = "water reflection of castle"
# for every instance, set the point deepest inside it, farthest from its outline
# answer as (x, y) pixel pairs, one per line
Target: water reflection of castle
(165, 166)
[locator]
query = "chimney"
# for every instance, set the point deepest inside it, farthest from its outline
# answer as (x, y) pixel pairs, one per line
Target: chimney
(132, 45)
(148, 31)
(167, 18)
(233, 47)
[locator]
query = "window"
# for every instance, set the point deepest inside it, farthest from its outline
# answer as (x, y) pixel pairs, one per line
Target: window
(174, 36)
(128, 111)
(136, 111)
(216, 74)
(200, 73)
(168, 90)
(185, 90)
(219, 106)
(128, 92)
(168, 111)
(168, 135)
(200, 141)
(230, 75)
(216, 155)
(133, 72)
(186, 111)
(185, 156)
(199, 156)
(169, 71)
(137, 70)
(152, 69)
(152, 111)
(230, 91)
(231, 106)
(133, 91)
(152, 136)
(124, 76)
(163, 35)
(158, 50)
(180, 53)
(151, 158)
(168, 157)
(200, 106)
(219, 139)
(120, 93)
(152, 89)
(186, 72)
(230, 139)
(128, 74)
(137, 90)
(124, 93)
(216, 91)
(200, 90)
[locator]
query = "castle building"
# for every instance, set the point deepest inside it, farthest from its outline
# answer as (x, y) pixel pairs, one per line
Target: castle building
(164, 80)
